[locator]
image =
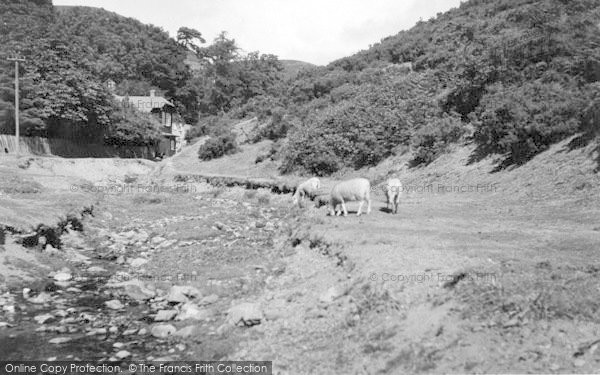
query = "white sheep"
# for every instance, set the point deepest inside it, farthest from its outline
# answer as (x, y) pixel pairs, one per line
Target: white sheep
(308, 187)
(393, 190)
(358, 189)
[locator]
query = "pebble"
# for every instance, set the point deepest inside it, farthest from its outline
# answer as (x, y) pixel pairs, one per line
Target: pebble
(63, 276)
(41, 319)
(122, 354)
(60, 340)
(163, 330)
(165, 315)
(114, 304)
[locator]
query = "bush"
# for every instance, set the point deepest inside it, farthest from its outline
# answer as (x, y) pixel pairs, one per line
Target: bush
(432, 139)
(219, 145)
(524, 120)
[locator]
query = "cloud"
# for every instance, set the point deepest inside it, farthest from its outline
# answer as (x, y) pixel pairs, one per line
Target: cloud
(317, 31)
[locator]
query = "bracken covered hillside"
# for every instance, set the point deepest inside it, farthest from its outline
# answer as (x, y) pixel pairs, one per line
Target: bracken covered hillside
(512, 76)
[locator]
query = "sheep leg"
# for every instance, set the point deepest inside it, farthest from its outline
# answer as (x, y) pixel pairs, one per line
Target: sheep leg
(344, 208)
(368, 205)
(360, 208)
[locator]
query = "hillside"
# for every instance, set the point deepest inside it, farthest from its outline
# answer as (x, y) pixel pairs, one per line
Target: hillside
(71, 53)
(510, 77)
(291, 68)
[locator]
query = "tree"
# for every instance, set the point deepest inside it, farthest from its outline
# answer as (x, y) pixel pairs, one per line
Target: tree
(187, 37)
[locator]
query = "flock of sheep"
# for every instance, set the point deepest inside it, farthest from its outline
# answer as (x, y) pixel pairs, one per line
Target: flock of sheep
(357, 189)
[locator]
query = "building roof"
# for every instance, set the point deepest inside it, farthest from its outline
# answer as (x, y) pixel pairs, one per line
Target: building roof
(146, 103)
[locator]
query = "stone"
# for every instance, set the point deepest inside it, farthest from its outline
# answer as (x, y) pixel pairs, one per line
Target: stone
(41, 319)
(209, 299)
(156, 240)
(43, 297)
(96, 269)
(162, 331)
(331, 294)
(191, 311)
(122, 354)
(63, 276)
(136, 291)
(180, 293)
(247, 314)
(114, 304)
(579, 362)
(188, 331)
(60, 340)
(165, 315)
(137, 262)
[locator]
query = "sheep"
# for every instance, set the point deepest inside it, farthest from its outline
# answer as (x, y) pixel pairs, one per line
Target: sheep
(393, 189)
(358, 189)
(308, 187)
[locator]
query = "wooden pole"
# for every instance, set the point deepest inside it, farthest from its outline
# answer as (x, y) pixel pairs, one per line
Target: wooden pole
(16, 60)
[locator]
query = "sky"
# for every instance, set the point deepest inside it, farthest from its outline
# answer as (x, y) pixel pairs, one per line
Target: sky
(315, 31)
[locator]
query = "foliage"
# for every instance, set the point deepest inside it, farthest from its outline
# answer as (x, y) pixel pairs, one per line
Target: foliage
(431, 140)
(129, 127)
(218, 145)
(228, 80)
(524, 120)
(517, 71)
(71, 53)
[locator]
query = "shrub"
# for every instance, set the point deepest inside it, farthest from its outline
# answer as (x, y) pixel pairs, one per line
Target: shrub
(219, 145)
(431, 140)
(524, 120)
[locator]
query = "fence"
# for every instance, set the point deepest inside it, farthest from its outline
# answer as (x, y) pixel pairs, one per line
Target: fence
(70, 149)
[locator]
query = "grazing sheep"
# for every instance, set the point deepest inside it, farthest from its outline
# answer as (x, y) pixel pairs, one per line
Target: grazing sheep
(393, 189)
(358, 189)
(308, 187)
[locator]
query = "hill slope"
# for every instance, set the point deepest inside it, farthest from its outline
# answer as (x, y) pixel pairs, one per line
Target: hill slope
(513, 77)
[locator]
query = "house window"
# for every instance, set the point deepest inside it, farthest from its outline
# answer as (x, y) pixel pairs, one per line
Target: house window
(172, 145)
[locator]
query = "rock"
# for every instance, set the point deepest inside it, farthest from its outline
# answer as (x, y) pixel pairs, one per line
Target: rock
(162, 331)
(136, 291)
(247, 314)
(165, 315)
(5, 325)
(43, 297)
(60, 340)
(137, 262)
(191, 311)
(113, 329)
(579, 362)
(122, 354)
(332, 294)
(120, 259)
(188, 331)
(555, 367)
(41, 319)
(274, 314)
(130, 331)
(180, 293)
(50, 250)
(114, 304)
(96, 269)
(209, 299)
(26, 292)
(63, 276)
(143, 332)
(156, 240)
(118, 345)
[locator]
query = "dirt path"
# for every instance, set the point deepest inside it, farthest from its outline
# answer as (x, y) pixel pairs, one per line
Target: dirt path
(456, 284)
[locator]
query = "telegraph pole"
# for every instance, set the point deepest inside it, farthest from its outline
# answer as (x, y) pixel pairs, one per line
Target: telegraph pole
(16, 60)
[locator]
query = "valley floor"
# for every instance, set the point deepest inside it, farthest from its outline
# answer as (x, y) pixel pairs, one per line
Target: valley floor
(455, 282)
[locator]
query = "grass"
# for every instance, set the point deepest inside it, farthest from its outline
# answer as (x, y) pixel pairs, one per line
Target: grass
(19, 185)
